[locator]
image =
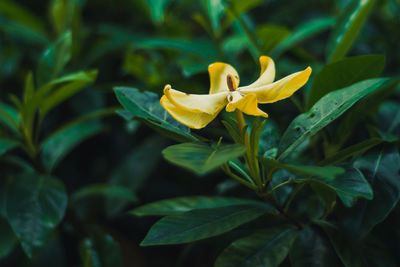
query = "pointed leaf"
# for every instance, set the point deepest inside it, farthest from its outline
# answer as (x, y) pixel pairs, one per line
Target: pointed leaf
(200, 224)
(6, 145)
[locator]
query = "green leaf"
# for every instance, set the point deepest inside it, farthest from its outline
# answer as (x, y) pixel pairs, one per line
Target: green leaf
(267, 247)
(22, 32)
(146, 106)
(215, 10)
(8, 240)
(312, 249)
(6, 145)
(54, 59)
(271, 36)
(347, 28)
(344, 73)
(66, 91)
(303, 32)
(35, 205)
(201, 158)
(9, 117)
(326, 110)
(383, 172)
(183, 204)
(105, 190)
(200, 224)
(389, 120)
(134, 170)
(157, 9)
(59, 144)
(351, 151)
(329, 172)
(351, 183)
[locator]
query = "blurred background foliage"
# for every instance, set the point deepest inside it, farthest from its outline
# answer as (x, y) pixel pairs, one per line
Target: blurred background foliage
(71, 167)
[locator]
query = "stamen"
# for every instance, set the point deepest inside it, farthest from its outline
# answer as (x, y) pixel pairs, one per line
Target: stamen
(231, 83)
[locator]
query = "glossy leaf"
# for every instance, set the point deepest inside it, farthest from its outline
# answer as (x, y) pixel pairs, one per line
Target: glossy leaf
(344, 73)
(35, 205)
(326, 110)
(303, 32)
(347, 28)
(215, 10)
(54, 59)
(329, 172)
(58, 145)
(183, 204)
(157, 9)
(383, 172)
(146, 106)
(312, 249)
(200, 224)
(105, 190)
(6, 145)
(202, 158)
(267, 247)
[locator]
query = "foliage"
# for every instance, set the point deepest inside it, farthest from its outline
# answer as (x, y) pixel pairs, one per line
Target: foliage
(88, 154)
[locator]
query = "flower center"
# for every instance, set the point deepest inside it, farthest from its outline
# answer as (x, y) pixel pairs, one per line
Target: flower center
(231, 83)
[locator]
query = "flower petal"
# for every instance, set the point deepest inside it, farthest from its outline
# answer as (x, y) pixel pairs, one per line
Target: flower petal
(267, 74)
(209, 104)
(279, 90)
(246, 104)
(195, 120)
(218, 74)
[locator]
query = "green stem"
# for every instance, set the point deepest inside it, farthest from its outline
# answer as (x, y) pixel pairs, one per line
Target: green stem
(228, 171)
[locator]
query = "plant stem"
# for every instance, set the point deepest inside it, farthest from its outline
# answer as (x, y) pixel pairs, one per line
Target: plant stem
(228, 171)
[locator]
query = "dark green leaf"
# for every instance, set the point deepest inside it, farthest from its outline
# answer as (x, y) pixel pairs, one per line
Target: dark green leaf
(105, 190)
(157, 9)
(268, 247)
(8, 240)
(303, 32)
(6, 145)
(9, 117)
(58, 145)
(200, 224)
(344, 73)
(327, 109)
(35, 205)
(54, 59)
(146, 106)
(312, 249)
(347, 28)
(183, 204)
(271, 36)
(202, 158)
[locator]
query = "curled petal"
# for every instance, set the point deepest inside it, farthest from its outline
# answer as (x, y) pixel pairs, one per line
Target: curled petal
(218, 77)
(267, 74)
(195, 120)
(280, 89)
(246, 104)
(196, 103)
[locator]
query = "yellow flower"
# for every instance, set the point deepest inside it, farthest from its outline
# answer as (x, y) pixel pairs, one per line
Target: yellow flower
(196, 111)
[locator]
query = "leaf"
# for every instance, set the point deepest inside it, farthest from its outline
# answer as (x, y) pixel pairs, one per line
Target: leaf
(200, 224)
(8, 240)
(383, 172)
(347, 28)
(201, 158)
(35, 205)
(183, 204)
(54, 59)
(6, 145)
(66, 91)
(351, 183)
(59, 144)
(329, 172)
(326, 110)
(312, 249)
(105, 190)
(271, 36)
(389, 120)
(146, 106)
(215, 10)
(134, 170)
(351, 151)
(303, 32)
(157, 9)
(21, 32)
(344, 73)
(9, 117)
(267, 247)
